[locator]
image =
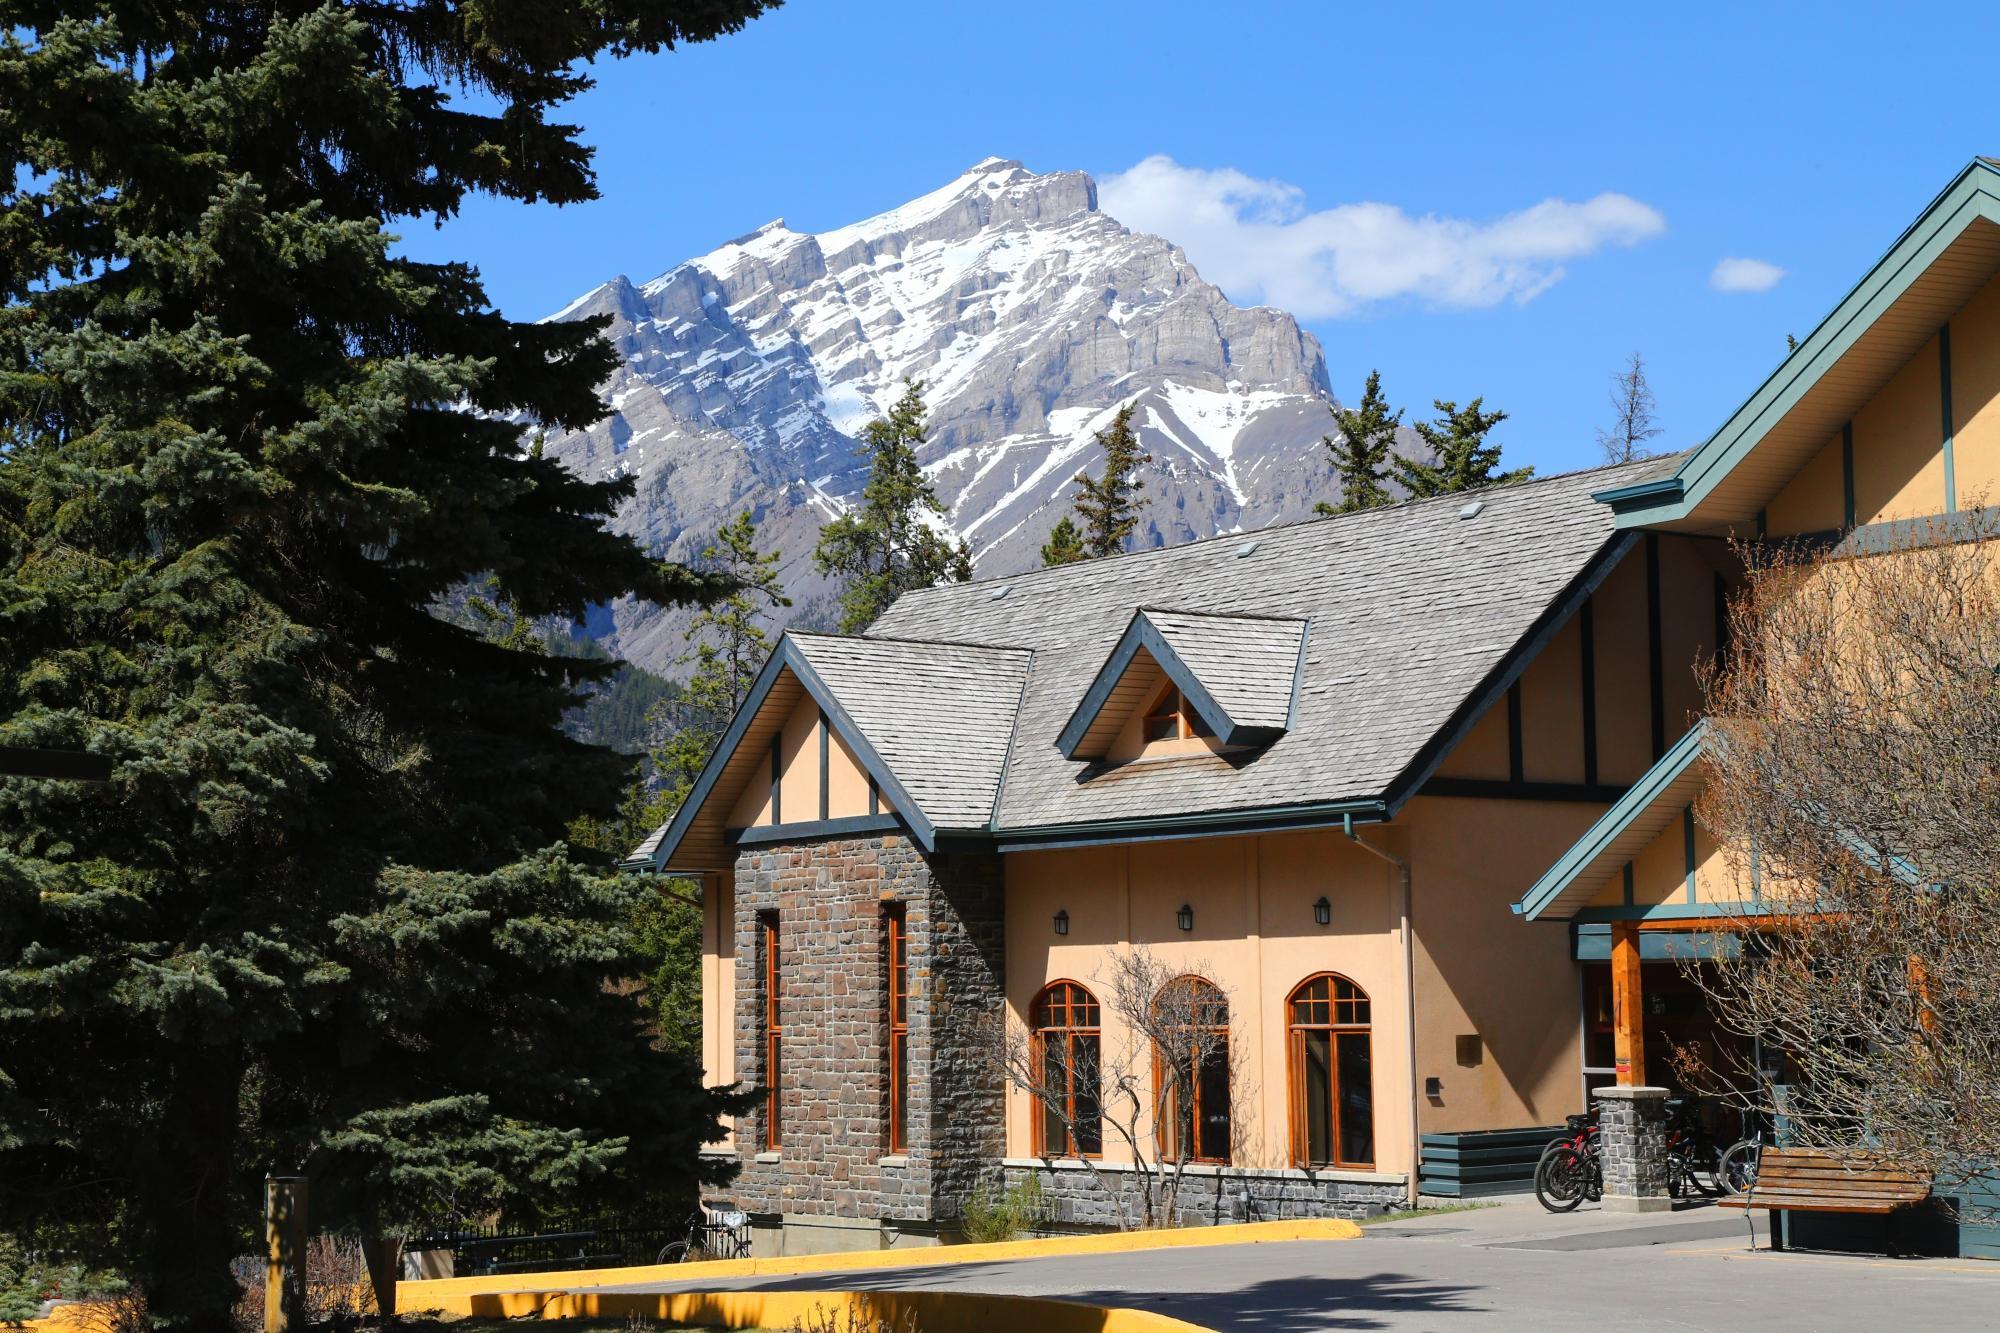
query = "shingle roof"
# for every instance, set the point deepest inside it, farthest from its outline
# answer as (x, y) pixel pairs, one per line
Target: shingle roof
(1247, 662)
(940, 715)
(1410, 608)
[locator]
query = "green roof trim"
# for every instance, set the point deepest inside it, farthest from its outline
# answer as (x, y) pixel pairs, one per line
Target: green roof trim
(1657, 783)
(1973, 194)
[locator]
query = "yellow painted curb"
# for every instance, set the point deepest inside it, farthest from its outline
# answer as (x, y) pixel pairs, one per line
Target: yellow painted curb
(930, 1311)
(452, 1293)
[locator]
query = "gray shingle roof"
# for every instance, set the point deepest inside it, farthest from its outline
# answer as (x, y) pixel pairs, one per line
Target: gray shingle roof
(1410, 607)
(940, 715)
(1247, 662)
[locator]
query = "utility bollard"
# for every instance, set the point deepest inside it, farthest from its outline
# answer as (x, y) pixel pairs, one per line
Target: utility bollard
(284, 1254)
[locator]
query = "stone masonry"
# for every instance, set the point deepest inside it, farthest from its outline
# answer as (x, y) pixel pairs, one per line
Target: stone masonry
(1077, 1200)
(829, 896)
(1632, 1137)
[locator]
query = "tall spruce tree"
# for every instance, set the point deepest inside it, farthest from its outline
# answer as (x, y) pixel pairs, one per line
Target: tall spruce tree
(886, 546)
(1362, 452)
(322, 918)
(1109, 502)
(1633, 425)
(1461, 459)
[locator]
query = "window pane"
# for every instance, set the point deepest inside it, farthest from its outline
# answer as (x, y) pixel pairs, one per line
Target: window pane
(898, 1067)
(1089, 1130)
(1213, 1144)
(1357, 1099)
(1316, 1074)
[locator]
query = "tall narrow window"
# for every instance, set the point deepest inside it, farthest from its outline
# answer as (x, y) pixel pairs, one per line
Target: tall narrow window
(773, 1032)
(899, 1028)
(1333, 1092)
(1068, 1050)
(1191, 1070)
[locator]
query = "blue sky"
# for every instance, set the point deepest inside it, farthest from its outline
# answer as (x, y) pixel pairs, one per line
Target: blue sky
(1801, 137)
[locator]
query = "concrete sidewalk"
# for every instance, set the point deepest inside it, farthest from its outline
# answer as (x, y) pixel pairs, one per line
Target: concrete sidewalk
(1509, 1267)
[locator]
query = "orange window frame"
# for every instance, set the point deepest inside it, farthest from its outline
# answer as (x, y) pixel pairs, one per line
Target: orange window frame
(773, 1034)
(1357, 1010)
(1171, 706)
(1168, 1127)
(1064, 1011)
(898, 990)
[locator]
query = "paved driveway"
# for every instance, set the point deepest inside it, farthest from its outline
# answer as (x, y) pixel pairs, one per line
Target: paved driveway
(1511, 1267)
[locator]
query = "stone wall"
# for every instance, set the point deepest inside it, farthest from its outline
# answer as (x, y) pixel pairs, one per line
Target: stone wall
(829, 897)
(1077, 1199)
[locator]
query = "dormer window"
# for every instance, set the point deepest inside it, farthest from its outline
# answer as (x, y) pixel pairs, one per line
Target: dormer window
(1171, 719)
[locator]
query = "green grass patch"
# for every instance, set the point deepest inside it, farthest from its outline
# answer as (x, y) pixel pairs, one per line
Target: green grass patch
(1419, 1214)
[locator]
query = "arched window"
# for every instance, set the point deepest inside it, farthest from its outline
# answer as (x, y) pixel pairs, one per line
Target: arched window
(1068, 1051)
(1191, 1070)
(1333, 1095)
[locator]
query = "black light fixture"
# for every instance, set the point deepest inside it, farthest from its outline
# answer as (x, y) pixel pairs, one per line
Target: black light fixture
(1062, 922)
(1185, 917)
(1322, 911)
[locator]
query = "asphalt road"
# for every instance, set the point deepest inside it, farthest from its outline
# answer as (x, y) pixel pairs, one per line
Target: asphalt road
(1512, 1267)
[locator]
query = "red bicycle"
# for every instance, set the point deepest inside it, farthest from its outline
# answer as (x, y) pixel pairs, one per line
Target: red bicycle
(1571, 1168)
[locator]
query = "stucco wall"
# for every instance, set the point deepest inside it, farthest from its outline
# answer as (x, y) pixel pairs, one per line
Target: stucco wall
(1254, 936)
(799, 782)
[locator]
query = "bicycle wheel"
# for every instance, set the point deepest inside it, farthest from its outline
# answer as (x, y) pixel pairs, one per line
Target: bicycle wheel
(1561, 1177)
(1678, 1176)
(673, 1252)
(1738, 1169)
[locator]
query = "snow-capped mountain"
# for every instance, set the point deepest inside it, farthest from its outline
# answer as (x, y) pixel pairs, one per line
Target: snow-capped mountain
(1030, 316)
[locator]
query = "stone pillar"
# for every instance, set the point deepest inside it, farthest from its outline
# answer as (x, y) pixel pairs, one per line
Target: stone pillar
(1632, 1136)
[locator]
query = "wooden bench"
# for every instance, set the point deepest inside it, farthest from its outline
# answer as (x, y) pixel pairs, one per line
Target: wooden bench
(1812, 1180)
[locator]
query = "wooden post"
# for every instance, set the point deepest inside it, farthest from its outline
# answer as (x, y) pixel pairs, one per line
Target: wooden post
(384, 1255)
(1628, 1006)
(284, 1254)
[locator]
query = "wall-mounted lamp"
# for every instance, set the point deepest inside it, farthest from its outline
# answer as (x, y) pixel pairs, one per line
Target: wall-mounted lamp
(1062, 922)
(1185, 917)
(1322, 911)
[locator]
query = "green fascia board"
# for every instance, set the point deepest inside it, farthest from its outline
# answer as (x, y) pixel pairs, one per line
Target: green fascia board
(1142, 633)
(785, 657)
(1613, 822)
(1973, 194)
(1160, 828)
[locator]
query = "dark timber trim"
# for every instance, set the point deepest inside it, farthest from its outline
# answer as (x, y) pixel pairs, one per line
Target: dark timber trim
(1515, 764)
(1944, 394)
(1493, 789)
(1656, 668)
(825, 762)
(874, 796)
(1631, 894)
(1846, 475)
(1687, 847)
(1587, 630)
(763, 834)
(1721, 619)
(778, 777)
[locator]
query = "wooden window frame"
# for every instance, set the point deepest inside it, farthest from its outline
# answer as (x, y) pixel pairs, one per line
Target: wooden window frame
(1166, 1127)
(897, 946)
(1296, 1074)
(767, 925)
(1171, 703)
(1069, 1032)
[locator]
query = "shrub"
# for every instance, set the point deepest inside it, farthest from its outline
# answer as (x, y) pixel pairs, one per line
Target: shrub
(1004, 1213)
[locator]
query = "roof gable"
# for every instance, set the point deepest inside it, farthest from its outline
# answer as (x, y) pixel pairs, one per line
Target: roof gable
(1933, 268)
(1240, 673)
(929, 723)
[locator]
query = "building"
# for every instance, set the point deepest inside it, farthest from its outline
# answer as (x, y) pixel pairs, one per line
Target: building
(1325, 768)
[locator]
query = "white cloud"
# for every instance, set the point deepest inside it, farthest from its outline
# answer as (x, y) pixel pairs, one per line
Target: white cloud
(1257, 240)
(1745, 275)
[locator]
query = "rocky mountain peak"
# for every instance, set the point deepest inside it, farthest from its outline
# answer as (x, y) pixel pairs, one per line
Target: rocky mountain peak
(1030, 316)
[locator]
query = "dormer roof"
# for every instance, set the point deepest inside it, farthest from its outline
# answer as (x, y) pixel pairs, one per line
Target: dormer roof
(1240, 673)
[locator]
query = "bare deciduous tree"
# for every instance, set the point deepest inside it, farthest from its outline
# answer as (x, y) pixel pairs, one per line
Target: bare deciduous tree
(1632, 401)
(1170, 1055)
(1853, 766)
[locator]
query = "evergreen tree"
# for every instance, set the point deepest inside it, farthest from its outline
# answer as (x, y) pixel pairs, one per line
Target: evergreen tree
(1109, 505)
(322, 918)
(1461, 459)
(1633, 424)
(729, 649)
(887, 545)
(1361, 454)
(1065, 543)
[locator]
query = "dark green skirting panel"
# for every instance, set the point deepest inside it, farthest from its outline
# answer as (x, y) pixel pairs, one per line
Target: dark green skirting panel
(1483, 1162)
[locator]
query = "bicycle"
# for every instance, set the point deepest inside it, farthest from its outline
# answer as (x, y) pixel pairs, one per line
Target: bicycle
(1737, 1172)
(718, 1230)
(1570, 1169)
